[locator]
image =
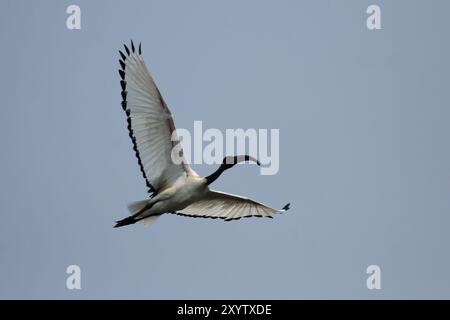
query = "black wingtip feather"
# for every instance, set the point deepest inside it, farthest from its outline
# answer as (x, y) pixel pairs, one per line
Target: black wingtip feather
(140, 48)
(287, 207)
(122, 74)
(132, 46)
(122, 64)
(126, 49)
(122, 56)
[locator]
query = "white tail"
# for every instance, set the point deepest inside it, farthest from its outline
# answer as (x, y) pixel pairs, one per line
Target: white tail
(150, 220)
(135, 207)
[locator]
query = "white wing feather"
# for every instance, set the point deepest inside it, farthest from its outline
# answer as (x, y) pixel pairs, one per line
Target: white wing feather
(150, 123)
(229, 207)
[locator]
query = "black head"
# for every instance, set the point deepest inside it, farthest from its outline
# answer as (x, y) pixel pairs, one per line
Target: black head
(230, 161)
(227, 163)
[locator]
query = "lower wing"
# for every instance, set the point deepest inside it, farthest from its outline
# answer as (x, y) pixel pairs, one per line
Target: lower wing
(229, 207)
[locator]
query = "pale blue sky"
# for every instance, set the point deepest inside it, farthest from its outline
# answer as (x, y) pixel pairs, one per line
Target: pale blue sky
(364, 154)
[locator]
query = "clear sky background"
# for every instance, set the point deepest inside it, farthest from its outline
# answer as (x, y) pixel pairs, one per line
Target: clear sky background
(364, 148)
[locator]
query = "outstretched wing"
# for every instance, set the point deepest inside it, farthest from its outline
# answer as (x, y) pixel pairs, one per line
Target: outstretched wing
(229, 207)
(150, 123)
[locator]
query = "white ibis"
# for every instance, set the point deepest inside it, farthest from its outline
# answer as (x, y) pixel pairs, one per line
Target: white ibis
(173, 186)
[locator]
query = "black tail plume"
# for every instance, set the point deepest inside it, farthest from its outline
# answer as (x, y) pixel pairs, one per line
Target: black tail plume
(125, 222)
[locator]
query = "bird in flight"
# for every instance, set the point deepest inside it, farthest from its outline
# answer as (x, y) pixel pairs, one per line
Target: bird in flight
(174, 186)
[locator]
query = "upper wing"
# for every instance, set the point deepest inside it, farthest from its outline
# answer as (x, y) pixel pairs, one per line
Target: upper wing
(229, 207)
(150, 123)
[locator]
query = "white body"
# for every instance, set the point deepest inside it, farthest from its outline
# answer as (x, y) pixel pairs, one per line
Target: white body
(181, 194)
